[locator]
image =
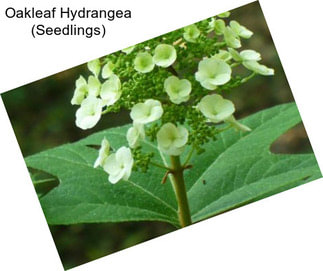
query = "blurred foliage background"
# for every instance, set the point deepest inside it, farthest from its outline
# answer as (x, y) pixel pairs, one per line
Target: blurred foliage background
(42, 117)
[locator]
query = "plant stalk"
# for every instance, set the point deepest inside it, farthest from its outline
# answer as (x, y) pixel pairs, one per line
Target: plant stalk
(184, 214)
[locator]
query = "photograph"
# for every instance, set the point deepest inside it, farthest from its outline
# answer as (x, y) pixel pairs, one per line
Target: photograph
(161, 135)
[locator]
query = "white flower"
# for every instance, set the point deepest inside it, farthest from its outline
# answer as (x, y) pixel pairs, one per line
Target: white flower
(146, 112)
(83, 89)
(111, 90)
(212, 73)
(237, 125)
(258, 68)
(80, 91)
(245, 55)
(177, 90)
(119, 165)
(165, 55)
(240, 30)
(250, 55)
(144, 62)
(107, 70)
(249, 59)
(171, 139)
(94, 66)
(89, 113)
(218, 26)
(222, 55)
(135, 134)
(103, 153)
(231, 38)
(215, 108)
(191, 33)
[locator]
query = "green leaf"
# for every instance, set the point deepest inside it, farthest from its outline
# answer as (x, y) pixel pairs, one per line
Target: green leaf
(236, 169)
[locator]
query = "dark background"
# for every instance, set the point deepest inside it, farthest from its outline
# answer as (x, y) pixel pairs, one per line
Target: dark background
(42, 117)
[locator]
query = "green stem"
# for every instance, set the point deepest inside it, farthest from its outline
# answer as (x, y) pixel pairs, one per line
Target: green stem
(248, 77)
(180, 191)
(158, 165)
(189, 156)
(235, 64)
(172, 70)
(220, 130)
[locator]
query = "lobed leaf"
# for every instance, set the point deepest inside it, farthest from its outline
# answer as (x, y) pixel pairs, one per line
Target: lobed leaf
(236, 169)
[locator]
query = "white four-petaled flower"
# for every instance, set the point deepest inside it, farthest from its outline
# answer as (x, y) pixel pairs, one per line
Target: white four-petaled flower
(165, 55)
(119, 165)
(191, 33)
(212, 73)
(177, 89)
(215, 108)
(171, 139)
(144, 62)
(146, 112)
(89, 113)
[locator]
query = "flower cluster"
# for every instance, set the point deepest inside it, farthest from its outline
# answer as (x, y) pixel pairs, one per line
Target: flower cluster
(174, 87)
(93, 96)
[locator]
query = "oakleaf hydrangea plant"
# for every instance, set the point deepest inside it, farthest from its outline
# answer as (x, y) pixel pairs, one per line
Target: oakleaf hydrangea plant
(174, 88)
